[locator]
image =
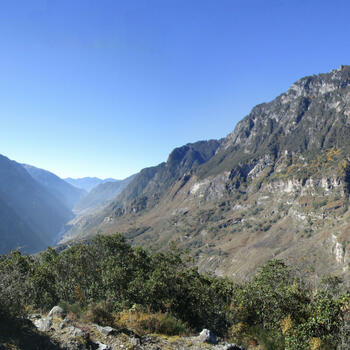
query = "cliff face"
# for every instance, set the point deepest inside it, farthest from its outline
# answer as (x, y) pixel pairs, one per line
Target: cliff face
(314, 114)
(277, 186)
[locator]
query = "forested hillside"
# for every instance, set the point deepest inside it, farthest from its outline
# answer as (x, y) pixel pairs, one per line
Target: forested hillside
(112, 284)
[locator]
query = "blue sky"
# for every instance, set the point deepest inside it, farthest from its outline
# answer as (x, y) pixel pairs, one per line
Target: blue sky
(107, 87)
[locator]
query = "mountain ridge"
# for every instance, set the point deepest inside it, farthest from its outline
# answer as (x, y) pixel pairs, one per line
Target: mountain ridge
(272, 188)
(62, 190)
(34, 215)
(101, 194)
(87, 183)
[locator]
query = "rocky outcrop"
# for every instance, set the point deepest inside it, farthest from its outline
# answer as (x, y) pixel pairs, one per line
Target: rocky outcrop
(43, 324)
(75, 335)
(57, 311)
(105, 330)
(206, 336)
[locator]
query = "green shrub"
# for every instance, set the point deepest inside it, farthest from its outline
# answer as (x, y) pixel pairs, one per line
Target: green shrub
(102, 279)
(100, 313)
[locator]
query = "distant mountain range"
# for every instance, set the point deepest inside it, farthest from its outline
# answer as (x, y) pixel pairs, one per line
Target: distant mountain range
(87, 183)
(61, 189)
(100, 195)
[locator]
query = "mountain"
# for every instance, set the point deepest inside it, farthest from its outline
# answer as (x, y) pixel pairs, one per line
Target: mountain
(87, 183)
(151, 182)
(276, 187)
(147, 187)
(63, 191)
(16, 232)
(31, 216)
(102, 194)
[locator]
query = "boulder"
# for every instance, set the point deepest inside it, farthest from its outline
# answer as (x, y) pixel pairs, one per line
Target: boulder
(206, 336)
(102, 346)
(105, 330)
(76, 332)
(43, 324)
(57, 311)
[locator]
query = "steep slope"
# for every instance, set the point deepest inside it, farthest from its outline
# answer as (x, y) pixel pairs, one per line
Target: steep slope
(87, 183)
(150, 183)
(312, 115)
(147, 187)
(100, 195)
(277, 186)
(32, 215)
(15, 233)
(63, 191)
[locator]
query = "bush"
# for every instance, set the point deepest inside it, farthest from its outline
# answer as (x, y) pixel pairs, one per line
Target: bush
(74, 310)
(100, 313)
(100, 280)
(283, 313)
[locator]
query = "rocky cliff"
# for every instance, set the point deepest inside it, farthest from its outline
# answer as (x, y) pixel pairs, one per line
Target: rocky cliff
(277, 186)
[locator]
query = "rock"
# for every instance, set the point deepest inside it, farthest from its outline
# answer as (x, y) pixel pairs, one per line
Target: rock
(148, 339)
(76, 344)
(206, 336)
(57, 311)
(34, 316)
(102, 346)
(228, 347)
(135, 341)
(105, 330)
(76, 332)
(43, 324)
(61, 325)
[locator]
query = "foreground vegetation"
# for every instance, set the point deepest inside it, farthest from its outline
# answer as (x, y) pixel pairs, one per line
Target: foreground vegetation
(110, 283)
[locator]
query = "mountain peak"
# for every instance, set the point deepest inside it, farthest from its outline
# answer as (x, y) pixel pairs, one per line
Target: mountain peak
(316, 85)
(315, 105)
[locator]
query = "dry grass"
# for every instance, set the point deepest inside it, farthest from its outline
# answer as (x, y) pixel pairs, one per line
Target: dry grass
(142, 323)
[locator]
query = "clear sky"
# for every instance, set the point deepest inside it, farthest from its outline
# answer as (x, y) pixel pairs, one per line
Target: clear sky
(107, 87)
